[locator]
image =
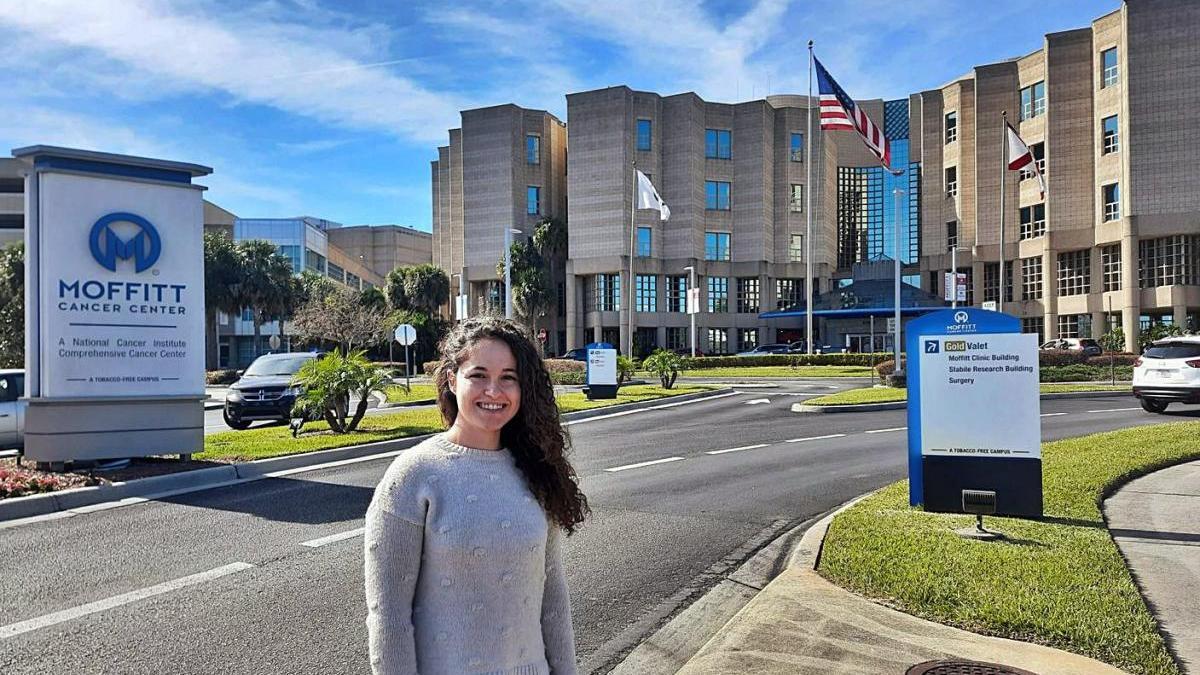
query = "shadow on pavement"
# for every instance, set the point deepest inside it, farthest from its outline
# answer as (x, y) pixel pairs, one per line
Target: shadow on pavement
(288, 500)
(1177, 537)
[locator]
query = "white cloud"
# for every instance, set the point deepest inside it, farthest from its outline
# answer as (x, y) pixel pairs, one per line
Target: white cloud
(250, 58)
(313, 146)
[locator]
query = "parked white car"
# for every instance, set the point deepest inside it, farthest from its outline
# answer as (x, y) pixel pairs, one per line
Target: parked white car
(1168, 372)
(12, 411)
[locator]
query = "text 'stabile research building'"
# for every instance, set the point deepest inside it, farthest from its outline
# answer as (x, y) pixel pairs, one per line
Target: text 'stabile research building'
(1115, 242)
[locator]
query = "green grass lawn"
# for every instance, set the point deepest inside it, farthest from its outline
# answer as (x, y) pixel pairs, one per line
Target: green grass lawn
(277, 441)
(1059, 581)
(893, 395)
(751, 372)
(417, 392)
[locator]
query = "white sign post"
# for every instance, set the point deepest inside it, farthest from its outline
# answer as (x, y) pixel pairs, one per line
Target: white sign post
(114, 305)
(406, 335)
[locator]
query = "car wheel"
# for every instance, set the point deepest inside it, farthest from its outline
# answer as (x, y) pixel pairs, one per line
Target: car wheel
(1153, 405)
(240, 425)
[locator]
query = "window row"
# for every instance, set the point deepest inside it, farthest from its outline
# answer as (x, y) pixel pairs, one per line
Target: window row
(716, 245)
(606, 294)
(718, 143)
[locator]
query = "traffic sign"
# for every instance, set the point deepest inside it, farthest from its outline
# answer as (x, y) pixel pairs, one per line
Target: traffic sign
(274, 342)
(405, 334)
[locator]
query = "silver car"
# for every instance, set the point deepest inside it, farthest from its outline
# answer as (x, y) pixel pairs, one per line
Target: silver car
(12, 411)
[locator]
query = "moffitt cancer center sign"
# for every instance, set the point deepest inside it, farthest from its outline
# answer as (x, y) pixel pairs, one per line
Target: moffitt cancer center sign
(115, 305)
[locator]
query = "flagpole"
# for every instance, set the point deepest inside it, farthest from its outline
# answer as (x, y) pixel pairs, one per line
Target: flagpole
(632, 241)
(1003, 171)
(808, 190)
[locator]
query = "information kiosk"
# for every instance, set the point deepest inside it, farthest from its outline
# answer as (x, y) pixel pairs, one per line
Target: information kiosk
(601, 370)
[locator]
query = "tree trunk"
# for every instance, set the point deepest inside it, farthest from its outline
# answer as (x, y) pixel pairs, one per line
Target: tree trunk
(257, 332)
(211, 341)
(359, 411)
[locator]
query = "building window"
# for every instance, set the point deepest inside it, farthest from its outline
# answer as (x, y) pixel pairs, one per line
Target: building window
(1075, 272)
(1169, 261)
(952, 181)
(533, 149)
(1074, 325)
(677, 294)
(1108, 68)
(1033, 100)
(608, 293)
(533, 200)
(1038, 150)
(716, 246)
(1035, 325)
(795, 248)
(353, 281)
(718, 340)
(952, 234)
(951, 127)
(1110, 135)
(1112, 201)
(747, 295)
(716, 195)
(678, 338)
(292, 253)
(991, 281)
(797, 202)
(718, 294)
(643, 242)
(335, 272)
(1033, 221)
(644, 135)
(747, 339)
(1031, 278)
(247, 314)
(314, 262)
(797, 147)
(1110, 262)
(716, 143)
(788, 293)
(647, 293)
(493, 296)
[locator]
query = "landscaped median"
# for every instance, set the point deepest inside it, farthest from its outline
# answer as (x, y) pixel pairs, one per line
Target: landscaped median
(752, 372)
(875, 395)
(1059, 581)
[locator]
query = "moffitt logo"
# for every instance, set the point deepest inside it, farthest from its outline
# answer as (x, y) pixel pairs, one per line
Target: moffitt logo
(961, 317)
(144, 247)
(961, 325)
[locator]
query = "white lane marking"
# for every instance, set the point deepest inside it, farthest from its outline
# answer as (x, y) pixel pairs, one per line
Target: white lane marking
(1113, 410)
(744, 447)
(757, 401)
(813, 438)
(47, 620)
(641, 464)
(884, 431)
(1052, 414)
(333, 538)
(656, 407)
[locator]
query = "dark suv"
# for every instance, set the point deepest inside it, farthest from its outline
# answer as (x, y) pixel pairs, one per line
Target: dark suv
(265, 391)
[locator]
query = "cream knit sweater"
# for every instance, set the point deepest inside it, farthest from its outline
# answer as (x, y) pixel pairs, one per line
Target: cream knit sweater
(463, 569)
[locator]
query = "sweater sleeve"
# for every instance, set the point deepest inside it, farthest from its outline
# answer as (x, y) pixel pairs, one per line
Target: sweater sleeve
(557, 632)
(392, 559)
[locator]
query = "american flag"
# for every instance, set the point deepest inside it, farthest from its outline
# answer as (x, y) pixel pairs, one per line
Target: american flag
(838, 111)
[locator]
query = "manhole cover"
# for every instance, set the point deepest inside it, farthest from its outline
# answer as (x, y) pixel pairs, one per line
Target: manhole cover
(960, 667)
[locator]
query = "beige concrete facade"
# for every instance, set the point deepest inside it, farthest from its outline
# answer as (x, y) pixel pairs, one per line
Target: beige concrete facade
(12, 202)
(381, 248)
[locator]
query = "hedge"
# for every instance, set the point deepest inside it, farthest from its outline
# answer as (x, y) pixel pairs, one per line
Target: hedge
(1095, 370)
(795, 360)
(227, 376)
(562, 371)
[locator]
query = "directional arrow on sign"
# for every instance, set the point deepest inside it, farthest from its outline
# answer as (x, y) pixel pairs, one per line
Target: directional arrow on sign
(758, 400)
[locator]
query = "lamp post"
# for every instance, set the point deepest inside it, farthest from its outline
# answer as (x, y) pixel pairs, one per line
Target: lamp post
(691, 270)
(897, 194)
(508, 233)
(954, 275)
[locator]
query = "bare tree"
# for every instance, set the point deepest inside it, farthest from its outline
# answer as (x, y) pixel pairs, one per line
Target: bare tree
(341, 317)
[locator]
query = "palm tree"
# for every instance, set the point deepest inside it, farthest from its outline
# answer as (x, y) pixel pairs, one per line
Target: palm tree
(267, 286)
(427, 288)
(222, 275)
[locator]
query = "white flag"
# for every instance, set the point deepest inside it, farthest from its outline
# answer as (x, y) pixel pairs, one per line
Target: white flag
(1020, 156)
(647, 197)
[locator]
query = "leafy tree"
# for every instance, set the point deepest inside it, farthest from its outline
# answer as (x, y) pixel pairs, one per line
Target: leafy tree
(341, 317)
(430, 331)
(313, 285)
(222, 279)
(12, 306)
(427, 288)
(330, 381)
(1113, 340)
(267, 285)
(665, 364)
(373, 298)
(1157, 331)
(396, 289)
(532, 288)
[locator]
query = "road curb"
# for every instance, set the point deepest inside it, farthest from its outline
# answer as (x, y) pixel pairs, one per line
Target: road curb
(17, 508)
(901, 405)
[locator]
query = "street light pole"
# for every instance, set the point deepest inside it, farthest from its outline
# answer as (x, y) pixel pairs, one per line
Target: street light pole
(954, 275)
(508, 233)
(897, 193)
(691, 270)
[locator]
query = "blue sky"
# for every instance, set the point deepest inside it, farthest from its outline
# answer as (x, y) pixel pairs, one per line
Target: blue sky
(335, 109)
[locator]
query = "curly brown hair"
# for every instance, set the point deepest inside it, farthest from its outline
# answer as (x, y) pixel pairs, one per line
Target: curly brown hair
(535, 435)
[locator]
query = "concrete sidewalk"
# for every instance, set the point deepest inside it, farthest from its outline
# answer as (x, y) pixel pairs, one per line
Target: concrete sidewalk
(801, 623)
(1155, 521)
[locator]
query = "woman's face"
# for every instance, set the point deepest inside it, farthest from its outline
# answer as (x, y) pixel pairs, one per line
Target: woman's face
(487, 391)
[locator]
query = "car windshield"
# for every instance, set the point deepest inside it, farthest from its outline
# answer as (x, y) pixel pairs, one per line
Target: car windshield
(277, 365)
(1173, 350)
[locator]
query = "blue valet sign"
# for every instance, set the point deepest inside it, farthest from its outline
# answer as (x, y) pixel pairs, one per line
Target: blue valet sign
(973, 411)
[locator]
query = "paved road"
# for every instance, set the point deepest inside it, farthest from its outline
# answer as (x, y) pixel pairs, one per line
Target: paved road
(269, 603)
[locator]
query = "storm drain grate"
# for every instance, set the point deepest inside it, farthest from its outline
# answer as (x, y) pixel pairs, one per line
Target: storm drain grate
(960, 667)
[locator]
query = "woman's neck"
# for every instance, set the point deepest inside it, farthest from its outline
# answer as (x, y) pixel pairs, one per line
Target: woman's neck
(473, 438)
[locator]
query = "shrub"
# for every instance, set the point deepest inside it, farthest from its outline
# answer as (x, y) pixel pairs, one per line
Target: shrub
(1061, 357)
(1119, 359)
(1083, 373)
(794, 360)
(19, 482)
(625, 369)
(665, 364)
(226, 376)
(566, 371)
(328, 383)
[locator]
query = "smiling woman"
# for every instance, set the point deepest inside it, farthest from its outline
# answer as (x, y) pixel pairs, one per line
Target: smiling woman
(463, 537)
